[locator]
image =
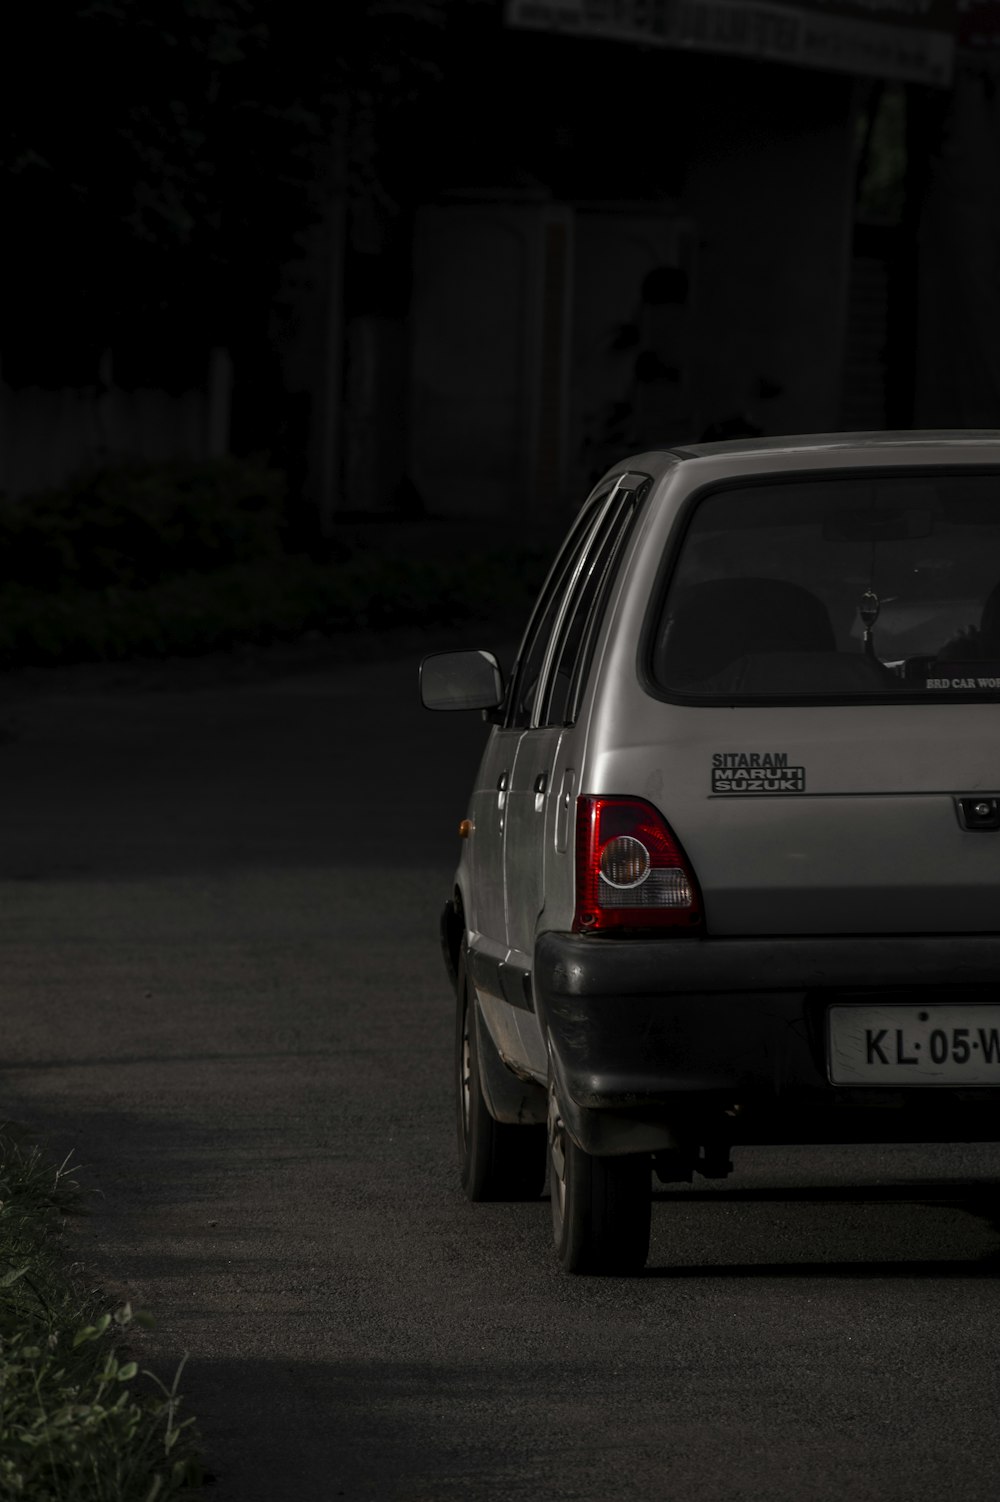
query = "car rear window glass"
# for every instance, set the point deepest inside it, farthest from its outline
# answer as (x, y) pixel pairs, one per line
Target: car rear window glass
(851, 588)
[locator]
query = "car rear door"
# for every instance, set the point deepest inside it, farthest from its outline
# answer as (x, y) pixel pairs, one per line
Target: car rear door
(501, 995)
(541, 809)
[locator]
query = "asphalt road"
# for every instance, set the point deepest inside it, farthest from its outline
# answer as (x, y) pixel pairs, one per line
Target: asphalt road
(222, 990)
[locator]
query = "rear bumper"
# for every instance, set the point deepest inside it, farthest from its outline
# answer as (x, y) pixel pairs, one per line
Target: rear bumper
(735, 1030)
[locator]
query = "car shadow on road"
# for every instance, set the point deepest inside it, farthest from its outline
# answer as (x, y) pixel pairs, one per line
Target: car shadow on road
(979, 1200)
(986, 1267)
(918, 1191)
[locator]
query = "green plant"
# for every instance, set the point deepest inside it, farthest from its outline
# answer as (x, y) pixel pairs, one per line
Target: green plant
(79, 1421)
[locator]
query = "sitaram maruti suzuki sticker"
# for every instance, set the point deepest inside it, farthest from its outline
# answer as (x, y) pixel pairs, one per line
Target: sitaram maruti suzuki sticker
(756, 772)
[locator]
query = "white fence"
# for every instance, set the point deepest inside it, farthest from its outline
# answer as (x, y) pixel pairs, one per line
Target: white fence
(48, 435)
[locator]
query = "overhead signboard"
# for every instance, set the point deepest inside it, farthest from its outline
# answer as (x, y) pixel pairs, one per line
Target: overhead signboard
(910, 40)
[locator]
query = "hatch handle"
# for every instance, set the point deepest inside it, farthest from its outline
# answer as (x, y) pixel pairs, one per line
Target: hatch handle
(980, 811)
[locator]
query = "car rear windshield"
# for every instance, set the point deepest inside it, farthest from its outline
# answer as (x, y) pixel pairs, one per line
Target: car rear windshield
(836, 588)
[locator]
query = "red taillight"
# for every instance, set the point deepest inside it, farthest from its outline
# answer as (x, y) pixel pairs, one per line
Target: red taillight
(630, 871)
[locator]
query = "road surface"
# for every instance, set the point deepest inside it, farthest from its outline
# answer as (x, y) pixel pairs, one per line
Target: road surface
(222, 990)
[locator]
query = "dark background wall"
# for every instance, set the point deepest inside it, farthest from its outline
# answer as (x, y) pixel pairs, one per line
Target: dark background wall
(429, 262)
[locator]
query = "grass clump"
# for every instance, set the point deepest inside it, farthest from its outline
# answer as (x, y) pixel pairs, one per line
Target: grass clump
(79, 1421)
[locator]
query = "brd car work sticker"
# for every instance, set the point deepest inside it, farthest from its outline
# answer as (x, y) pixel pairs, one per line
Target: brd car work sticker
(756, 772)
(964, 675)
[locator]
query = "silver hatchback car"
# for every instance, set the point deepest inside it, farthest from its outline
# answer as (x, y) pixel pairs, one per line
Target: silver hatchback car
(731, 871)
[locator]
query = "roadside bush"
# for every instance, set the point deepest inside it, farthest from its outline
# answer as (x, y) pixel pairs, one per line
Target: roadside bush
(258, 603)
(183, 558)
(132, 525)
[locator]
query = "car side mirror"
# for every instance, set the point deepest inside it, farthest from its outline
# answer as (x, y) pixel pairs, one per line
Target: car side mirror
(461, 680)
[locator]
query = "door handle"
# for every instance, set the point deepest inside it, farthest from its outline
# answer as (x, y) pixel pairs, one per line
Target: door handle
(502, 783)
(541, 782)
(564, 807)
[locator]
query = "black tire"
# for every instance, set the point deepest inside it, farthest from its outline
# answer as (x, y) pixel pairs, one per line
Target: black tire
(601, 1207)
(499, 1160)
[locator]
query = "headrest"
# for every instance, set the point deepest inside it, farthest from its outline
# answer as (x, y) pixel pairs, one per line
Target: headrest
(709, 625)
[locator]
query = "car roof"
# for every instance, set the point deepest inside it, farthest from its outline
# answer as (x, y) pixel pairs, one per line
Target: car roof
(805, 442)
(733, 456)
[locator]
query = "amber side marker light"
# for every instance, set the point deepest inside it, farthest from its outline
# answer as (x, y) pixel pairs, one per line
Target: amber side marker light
(630, 870)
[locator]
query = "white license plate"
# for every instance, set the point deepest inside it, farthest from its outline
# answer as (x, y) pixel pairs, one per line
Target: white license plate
(914, 1045)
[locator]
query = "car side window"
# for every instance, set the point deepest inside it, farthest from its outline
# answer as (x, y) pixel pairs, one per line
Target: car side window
(547, 614)
(571, 658)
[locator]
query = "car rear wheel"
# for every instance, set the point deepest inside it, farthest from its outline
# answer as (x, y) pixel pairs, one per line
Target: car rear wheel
(601, 1207)
(499, 1160)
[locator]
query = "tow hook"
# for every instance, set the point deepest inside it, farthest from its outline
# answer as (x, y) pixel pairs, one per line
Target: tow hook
(714, 1161)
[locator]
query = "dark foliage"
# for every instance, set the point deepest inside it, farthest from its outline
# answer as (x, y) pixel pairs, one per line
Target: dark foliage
(158, 160)
(135, 525)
